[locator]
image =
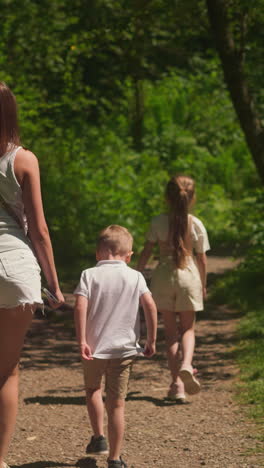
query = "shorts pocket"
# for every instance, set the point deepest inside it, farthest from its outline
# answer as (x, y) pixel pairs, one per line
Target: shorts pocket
(19, 265)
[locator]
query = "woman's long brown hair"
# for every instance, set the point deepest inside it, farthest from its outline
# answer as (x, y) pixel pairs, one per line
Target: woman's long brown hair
(9, 132)
(179, 194)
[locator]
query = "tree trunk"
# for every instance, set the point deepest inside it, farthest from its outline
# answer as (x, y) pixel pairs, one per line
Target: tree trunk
(232, 63)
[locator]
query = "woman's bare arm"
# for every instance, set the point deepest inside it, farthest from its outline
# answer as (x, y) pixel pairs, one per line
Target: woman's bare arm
(27, 173)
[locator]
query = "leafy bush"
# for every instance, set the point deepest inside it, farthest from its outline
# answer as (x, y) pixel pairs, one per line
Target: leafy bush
(92, 176)
(243, 289)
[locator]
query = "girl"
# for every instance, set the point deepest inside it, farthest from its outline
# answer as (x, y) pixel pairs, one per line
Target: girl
(177, 285)
(21, 212)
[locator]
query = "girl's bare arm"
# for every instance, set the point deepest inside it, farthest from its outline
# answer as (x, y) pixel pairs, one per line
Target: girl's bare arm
(202, 267)
(145, 255)
(27, 173)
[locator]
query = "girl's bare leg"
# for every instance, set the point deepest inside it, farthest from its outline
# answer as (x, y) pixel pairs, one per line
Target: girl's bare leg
(187, 320)
(14, 324)
(191, 384)
(172, 338)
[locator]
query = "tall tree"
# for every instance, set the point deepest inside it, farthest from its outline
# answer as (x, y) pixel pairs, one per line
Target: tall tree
(230, 41)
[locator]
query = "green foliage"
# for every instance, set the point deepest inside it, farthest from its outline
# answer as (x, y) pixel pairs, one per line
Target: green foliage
(243, 290)
(251, 226)
(76, 55)
(92, 191)
(190, 122)
(182, 127)
(74, 68)
(92, 177)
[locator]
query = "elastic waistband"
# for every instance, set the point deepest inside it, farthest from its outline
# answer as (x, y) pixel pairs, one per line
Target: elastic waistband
(169, 258)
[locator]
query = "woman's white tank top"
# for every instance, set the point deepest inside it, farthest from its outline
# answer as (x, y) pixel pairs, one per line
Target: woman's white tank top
(12, 236)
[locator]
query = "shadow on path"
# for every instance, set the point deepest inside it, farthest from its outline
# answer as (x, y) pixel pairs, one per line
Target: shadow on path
(53, 339)
(43, 464)
(57, 400)
(87, 462)
(135, 396)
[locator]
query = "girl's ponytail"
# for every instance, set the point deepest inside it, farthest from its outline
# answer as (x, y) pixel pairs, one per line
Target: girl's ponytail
(179, 194)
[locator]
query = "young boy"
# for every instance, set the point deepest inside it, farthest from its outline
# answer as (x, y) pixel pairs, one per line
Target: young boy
(107, 327)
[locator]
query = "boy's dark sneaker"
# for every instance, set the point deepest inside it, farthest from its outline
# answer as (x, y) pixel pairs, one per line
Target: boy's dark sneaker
(97, 445)
(117, 463)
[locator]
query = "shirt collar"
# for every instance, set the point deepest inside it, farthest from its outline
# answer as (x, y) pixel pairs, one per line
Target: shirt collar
(111, 262)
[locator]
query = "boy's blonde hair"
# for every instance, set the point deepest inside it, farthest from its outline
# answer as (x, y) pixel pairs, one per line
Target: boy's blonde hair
(115, 239)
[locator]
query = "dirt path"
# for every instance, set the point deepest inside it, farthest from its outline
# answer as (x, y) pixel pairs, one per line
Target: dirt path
(211, 431)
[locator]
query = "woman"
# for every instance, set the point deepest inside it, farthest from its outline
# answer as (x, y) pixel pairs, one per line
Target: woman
(21, 213)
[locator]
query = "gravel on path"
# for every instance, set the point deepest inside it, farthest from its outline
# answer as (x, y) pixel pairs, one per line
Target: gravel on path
(211, 430)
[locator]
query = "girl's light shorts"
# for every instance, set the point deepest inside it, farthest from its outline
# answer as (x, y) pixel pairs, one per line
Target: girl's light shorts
(116, 372)
(20, 281)
(176, 289)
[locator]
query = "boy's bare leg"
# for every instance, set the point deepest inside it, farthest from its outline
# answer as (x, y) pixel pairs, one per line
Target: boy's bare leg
(116, 424)
(95, 407)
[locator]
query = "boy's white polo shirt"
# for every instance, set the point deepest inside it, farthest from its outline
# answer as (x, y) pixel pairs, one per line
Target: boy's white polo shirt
(113, 290)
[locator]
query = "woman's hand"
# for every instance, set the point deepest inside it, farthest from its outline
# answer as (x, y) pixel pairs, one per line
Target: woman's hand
(60, 299)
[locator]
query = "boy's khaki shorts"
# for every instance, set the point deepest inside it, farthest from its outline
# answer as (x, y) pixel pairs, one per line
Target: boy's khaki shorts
(116, 372)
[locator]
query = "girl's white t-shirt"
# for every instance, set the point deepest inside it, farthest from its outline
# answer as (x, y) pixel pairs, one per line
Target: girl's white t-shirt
(113, 290)
(159, 231)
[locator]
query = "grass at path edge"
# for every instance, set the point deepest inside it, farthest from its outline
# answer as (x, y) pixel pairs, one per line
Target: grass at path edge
(244, 291)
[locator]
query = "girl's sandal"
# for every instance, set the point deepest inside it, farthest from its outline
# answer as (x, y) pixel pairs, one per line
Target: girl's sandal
(176, 396)
(191, 384)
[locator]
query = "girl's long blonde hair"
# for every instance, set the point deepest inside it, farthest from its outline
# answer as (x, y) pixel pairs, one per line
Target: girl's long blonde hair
(179, 194)
(9, 133)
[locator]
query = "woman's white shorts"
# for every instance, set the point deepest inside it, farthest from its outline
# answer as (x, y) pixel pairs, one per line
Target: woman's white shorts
(175, 289)
(20, 280)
